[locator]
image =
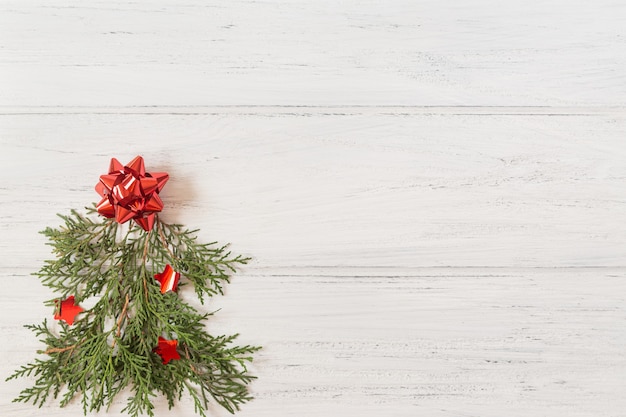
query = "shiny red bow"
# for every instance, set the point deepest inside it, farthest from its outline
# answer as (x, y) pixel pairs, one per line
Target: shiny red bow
(129, 192)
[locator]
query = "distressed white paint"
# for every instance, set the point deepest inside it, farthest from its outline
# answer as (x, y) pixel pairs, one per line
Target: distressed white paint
(427, 52)
(433, 192)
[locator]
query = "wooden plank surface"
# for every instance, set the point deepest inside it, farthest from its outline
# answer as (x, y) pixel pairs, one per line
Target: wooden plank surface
(427, 52)
(433, 192)
(365, 188)
(411, 341)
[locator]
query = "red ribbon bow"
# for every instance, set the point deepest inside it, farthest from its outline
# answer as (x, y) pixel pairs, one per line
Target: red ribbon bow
(129, 192)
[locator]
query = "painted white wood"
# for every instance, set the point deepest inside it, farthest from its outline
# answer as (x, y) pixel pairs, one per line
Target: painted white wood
(410, 341)
(317, 187)
(426, 52)
(433, 192)
(363, 227)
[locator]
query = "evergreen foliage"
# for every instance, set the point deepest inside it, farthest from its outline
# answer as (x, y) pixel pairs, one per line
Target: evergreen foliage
(110, 347)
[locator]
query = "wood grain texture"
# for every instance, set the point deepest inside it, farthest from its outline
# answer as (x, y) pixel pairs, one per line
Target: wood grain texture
(433, 192)
(321, 187)
(407, 341)
(428, 52)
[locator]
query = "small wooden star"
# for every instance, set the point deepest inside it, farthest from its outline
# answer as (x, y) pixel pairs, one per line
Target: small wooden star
(166, 349)
(68, 311)
(168, 279)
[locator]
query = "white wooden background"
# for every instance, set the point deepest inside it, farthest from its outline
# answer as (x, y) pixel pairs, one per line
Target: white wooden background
(433, 191)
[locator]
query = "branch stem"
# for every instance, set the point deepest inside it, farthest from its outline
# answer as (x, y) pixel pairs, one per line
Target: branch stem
(57, 350)
(120, 320)
(164, 241)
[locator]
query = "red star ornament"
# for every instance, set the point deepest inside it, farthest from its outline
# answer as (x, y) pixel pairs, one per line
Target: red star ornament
(168, 279)
(129, 192)
(166, 349)
(68, 311)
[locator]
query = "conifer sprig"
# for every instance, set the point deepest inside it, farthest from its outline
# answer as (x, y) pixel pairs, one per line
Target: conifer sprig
(110, 347)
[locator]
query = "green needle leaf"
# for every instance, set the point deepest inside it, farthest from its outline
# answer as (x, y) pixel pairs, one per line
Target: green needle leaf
(110, 347)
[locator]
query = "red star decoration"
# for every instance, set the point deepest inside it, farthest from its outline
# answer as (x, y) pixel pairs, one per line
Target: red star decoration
(68, 310)
(129, 192)
(168, 279)
(166, 349)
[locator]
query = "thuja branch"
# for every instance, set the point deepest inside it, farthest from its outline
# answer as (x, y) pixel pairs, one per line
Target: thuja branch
(111, 345)
(206, 265)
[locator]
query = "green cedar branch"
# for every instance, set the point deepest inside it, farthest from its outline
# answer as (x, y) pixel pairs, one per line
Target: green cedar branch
(109, 349)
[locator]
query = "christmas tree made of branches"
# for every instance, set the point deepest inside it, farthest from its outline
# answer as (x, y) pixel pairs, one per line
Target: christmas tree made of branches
(140, 338)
